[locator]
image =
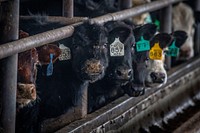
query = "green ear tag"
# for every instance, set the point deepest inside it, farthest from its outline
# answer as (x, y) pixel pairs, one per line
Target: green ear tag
(173, 50)
(157, 23)
(148, 19)
(142, 45)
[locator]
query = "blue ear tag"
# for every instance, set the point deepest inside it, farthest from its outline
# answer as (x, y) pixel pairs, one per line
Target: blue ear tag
(173, 50)
(142, 45)
(50, 66)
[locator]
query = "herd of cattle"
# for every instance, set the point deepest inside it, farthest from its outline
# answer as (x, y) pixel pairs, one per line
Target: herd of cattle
(109, 60)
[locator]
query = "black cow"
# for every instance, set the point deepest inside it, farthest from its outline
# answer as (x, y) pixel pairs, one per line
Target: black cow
(136, 87)
(86, 62)
(119, 71)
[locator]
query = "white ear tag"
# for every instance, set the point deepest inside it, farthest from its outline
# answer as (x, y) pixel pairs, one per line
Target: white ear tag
(65, 53)
(117, 48)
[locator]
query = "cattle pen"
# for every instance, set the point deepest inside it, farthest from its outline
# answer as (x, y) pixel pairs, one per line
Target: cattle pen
(170, 108)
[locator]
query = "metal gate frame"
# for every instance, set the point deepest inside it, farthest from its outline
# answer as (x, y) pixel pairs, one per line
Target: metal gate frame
(10, 48)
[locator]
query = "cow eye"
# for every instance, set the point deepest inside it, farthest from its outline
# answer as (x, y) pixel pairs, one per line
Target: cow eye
(147, 58)
(104, 45)
(75, 46)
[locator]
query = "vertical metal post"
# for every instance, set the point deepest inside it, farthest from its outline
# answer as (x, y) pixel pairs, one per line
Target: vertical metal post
(125, 4)
(68, 8)
(9, 21)
(166, 26)
(197, 5)
(197, 30)
(197, 39)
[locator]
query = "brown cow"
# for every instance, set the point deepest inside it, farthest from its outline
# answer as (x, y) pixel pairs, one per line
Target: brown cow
(27, 70)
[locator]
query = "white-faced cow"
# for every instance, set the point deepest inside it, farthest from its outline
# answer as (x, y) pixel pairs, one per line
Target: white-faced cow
(183, 19)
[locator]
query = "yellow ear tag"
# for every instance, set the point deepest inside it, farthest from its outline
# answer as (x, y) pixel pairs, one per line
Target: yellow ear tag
(156, 52)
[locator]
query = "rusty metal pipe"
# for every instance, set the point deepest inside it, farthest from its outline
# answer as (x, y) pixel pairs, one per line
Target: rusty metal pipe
(133, 11)
(24, 44)
(9, 25)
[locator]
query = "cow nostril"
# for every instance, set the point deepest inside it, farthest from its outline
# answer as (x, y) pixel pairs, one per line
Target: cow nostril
(32, 90)
(153, 76)
(119, 73)
(162, 76)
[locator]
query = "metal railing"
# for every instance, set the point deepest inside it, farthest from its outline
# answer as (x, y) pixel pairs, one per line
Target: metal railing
(14, 47)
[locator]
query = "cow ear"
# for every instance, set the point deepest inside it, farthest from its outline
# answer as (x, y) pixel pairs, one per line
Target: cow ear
(163, 39)
(45, 51)
(180, 37)
(147, 31)
(23, 34)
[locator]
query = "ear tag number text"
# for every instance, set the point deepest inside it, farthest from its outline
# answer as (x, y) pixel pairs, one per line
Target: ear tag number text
(173, 50)
(156, 52)
(142, 45)
(117, 48)
(65, 53)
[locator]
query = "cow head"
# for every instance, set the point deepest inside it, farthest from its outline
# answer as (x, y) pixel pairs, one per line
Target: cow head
(140, 58)
(155, 73)
(120, 40)
(89, 52)
(27, 70)
(183, 19)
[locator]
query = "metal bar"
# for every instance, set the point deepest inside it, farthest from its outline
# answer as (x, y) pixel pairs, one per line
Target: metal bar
(24, 44)
(197, 5)
(133, 11)
(125, 4)
(166, 26)
(124, 109)
(62, 20)
(8, 49)
(197, 39)
(9, 22)
(68, 8)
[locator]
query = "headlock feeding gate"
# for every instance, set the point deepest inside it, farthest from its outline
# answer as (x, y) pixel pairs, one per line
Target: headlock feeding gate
(124, 114)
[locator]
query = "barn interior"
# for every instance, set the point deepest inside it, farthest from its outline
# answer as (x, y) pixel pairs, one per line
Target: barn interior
(172, 106)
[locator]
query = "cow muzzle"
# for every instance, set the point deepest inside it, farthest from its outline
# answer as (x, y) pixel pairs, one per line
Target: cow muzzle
(123, 73)
(26, 92)
(93, 70)
(93, 67)
(158, 77)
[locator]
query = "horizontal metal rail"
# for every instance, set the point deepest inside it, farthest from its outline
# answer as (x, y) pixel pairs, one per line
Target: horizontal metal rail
(24, 44)
(133, 11)
(11, 48)
(122, 110)
(62, 20)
